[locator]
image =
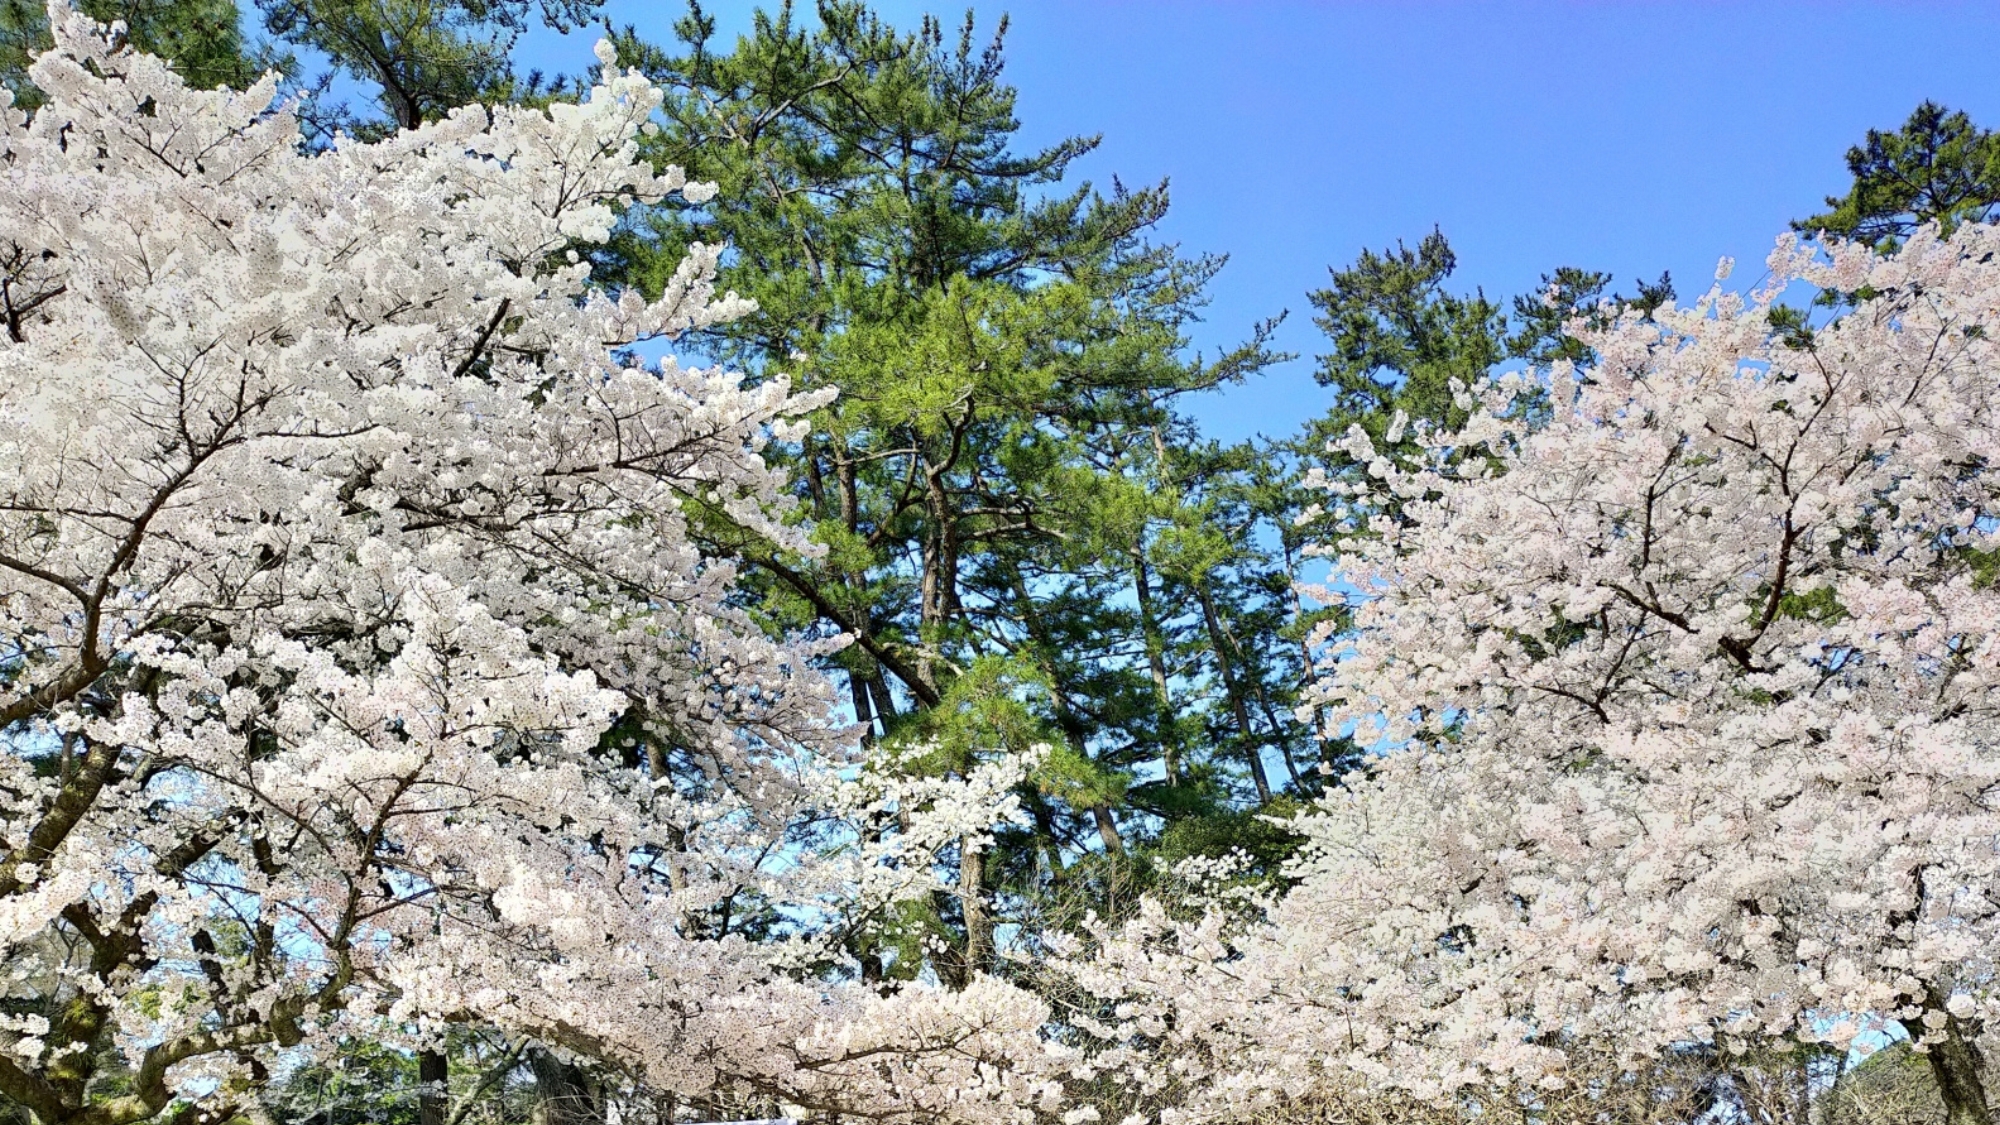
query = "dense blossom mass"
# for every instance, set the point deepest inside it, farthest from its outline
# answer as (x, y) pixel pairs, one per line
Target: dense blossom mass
(357, 674)
(1683, 669)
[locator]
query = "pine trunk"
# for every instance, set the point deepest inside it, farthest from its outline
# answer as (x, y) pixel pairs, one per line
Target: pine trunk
(972, 900)
(1220, 642)
(1156, 662)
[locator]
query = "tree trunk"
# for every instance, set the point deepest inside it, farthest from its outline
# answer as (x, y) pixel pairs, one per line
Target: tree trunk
(937, 597)
(885, 703)
(1955, 1066)
(864, 714)
(434, 1073)
(1278, 734)
(1220, 642)
(1107, 829)
(1955, 1063)
(1156, 661)
(562, 1091)
(434, 1093)
(972, 900)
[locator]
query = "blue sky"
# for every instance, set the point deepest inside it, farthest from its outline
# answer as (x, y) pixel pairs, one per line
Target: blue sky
(1629, 137)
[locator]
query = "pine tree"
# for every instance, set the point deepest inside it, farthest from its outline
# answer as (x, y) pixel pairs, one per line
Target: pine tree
(1002, 344)
(1938, 168)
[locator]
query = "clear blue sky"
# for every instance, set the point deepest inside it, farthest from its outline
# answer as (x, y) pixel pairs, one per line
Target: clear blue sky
(1628, 137)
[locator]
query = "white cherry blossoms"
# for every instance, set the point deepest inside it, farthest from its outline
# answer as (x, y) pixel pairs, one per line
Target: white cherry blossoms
(1683, 671)
(358, 672)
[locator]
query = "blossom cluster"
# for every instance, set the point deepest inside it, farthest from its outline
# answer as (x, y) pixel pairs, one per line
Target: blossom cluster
(359, 671)
(1682, 671)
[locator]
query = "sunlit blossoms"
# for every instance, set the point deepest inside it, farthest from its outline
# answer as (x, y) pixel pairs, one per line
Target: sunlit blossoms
(356, 670)
(1685, 670)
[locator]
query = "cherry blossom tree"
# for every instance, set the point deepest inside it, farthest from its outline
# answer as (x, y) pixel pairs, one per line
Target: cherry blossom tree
(357, 675)
(1683, 672)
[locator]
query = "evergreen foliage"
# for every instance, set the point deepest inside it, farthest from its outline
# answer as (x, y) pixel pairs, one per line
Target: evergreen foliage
(1938, 168)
